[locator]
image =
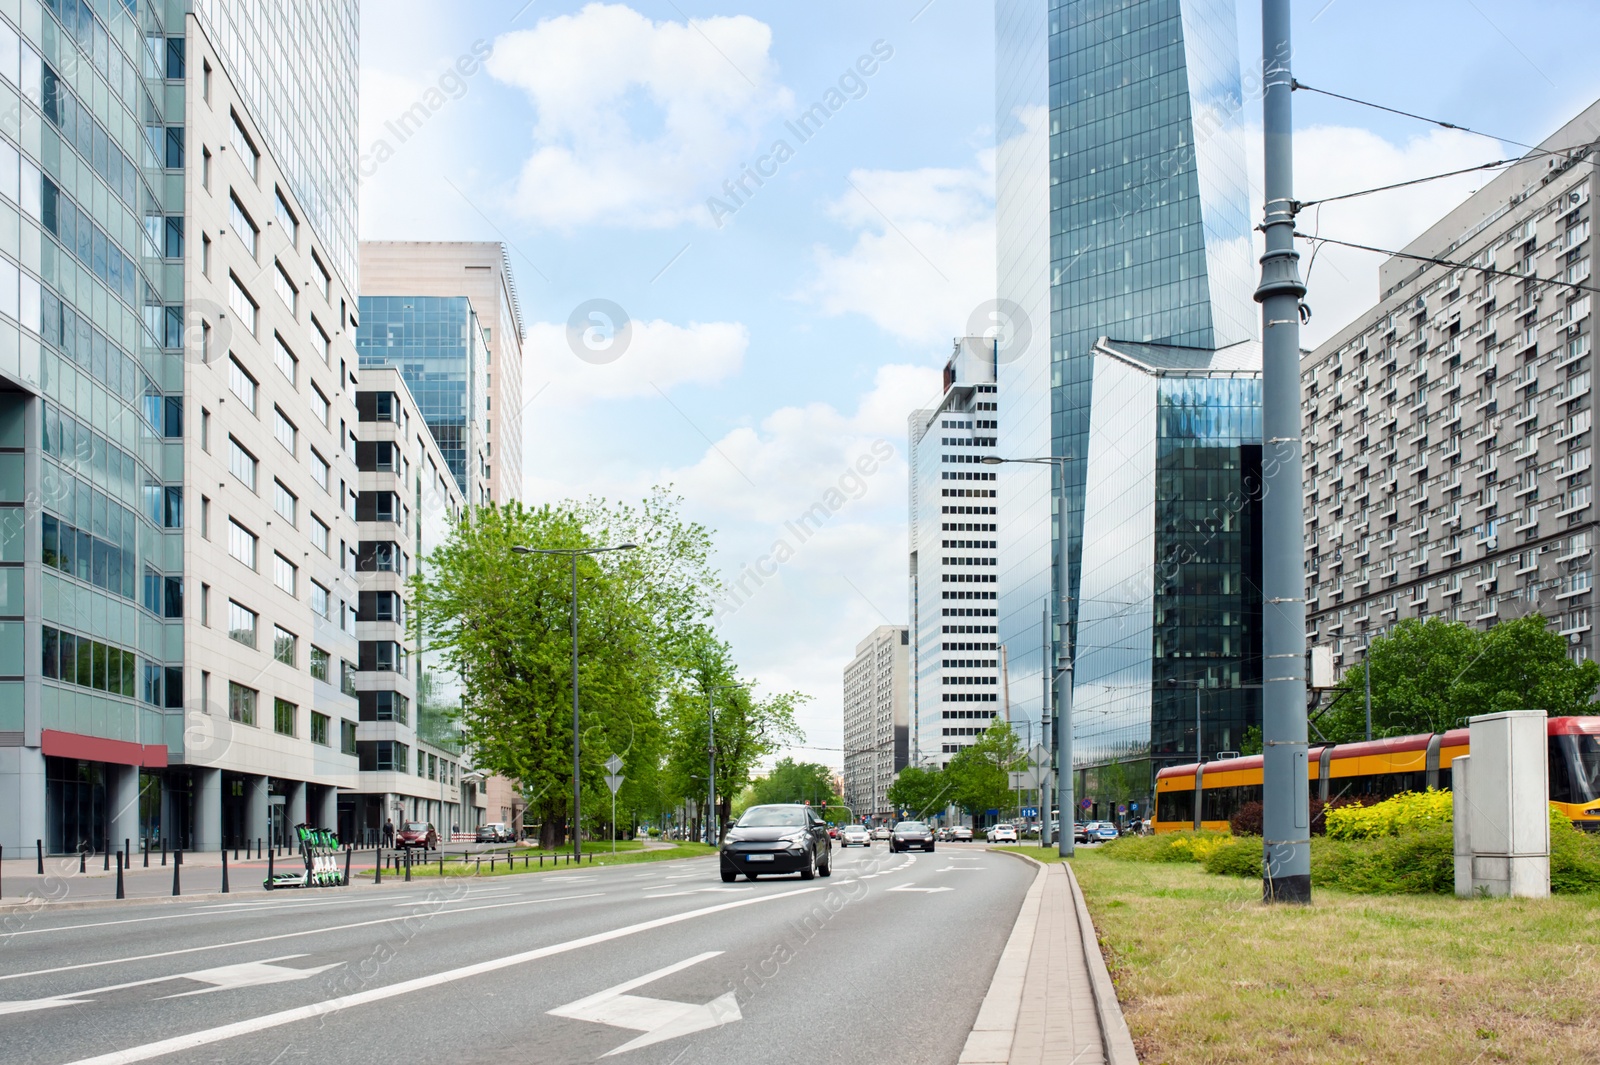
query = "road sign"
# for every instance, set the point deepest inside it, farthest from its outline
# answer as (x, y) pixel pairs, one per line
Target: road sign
(1040, 755)
(1030, 811)
(1133, 806)
(1086, 804)
(614, 781)
(1122, 808)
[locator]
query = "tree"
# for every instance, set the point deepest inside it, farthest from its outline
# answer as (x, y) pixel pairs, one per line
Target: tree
(1432, 675)
(502, 623)
(979, 776)
(791, 781)
(919, 792)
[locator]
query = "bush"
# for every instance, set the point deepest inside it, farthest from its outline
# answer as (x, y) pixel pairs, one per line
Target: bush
(1239, 857)
(1166, 847)
(1407, 812)
(1574, 858)
(1418, 861)
(1246, 821)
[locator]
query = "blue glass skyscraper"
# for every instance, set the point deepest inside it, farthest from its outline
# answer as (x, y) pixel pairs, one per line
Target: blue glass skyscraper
(1122, 215)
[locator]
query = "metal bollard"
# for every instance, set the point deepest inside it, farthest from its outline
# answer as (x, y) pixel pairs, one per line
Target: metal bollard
(347, 852)
(38, 850)
(147, 852)
(441, 863)
(83, 857)
(408, 865)
(258, 848)
(177, 864)
(270, 855)
(105, 857)
(120, 893)
(224, 872)
(127, 852)
(377, 865)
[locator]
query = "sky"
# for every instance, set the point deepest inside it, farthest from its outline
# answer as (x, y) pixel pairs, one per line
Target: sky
(722, 299)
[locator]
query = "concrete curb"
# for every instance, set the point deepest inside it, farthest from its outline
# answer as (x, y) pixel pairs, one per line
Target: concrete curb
(1113, 1026)
(996, 1027)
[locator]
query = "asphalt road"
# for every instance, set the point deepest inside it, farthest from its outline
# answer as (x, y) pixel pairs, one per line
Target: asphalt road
(886, 961)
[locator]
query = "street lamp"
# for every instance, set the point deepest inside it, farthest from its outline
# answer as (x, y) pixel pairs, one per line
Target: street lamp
(1066, 802)
(713, 832)
(577, 775)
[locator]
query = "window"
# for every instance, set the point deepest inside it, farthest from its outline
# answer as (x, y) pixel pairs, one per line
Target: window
(319, 405)
(319, 340)
(285, 503)
(283, 715)
(285, 574)
(382, 655)
(319, 470)
(319, 664)
(287, 364)
(242, 463)
(243, 225)
(377, 506)
(205, 517)
(376, 456)
(347, 677)
(243, 304)
(323, 279)
(319, 534)
(376, 406)
(384, 706)
(379, 556)
(284, 430)
(241, 543)
(285, 289)
(241, 624)
(319, 600)
(381, 606)
(347, 737)
(241, 704)
(285, 645)
(319, 728)
(205, 169)
(205, 604)
(286, 218)
(246, 148)
(205, 255)
(242, 384)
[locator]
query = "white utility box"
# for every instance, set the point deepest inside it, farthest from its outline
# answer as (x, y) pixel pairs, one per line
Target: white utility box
(1502, 807)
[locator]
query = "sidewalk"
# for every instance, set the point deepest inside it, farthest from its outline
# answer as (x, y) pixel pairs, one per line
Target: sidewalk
(1052, 999)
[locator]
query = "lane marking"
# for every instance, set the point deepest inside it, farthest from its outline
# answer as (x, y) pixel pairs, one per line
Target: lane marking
(243, 975)
(225, 1032)
(921, 890)
(286, 935)
(659, 1019)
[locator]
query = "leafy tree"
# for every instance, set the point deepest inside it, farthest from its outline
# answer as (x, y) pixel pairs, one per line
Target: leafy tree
(920, 792)
(791, 781)
(502, 623)
(980, 775)
(1432, 675)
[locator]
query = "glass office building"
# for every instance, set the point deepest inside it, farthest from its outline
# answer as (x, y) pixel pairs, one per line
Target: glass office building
(1122, 214)
(437, 344)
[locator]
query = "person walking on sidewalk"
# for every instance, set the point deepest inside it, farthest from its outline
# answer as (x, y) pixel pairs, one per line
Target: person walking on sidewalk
(388, 833)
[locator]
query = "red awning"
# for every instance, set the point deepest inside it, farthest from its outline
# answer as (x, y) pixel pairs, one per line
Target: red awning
(95, 749)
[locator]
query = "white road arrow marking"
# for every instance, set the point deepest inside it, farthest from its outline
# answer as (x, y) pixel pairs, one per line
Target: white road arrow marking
(658, 1019)
(923, 890)
(247, 974)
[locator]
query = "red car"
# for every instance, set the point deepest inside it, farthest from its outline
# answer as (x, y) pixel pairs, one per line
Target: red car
(833, 831)
(416, 834)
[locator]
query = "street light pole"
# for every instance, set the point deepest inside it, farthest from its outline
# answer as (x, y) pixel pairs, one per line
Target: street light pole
(577, 768)
(1066, 801)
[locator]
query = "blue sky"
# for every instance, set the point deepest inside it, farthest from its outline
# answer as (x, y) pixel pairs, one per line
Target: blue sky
(768, 353)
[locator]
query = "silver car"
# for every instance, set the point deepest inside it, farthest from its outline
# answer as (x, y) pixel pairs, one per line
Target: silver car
(855, 836)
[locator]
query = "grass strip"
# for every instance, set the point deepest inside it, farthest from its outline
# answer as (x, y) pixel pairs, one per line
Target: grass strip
(455, 867)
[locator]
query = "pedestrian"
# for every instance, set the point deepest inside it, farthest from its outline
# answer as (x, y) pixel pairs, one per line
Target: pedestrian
(388, 832)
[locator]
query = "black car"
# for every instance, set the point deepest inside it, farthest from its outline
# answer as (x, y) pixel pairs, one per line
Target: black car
(788, 838)
(908, 834)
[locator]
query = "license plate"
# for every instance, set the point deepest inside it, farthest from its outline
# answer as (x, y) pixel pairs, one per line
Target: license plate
(758, 858)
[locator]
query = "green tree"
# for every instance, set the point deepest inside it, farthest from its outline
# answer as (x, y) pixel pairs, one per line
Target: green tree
(980, 775)
(791, 781)
(920, 792)
(501, 622)
(1432, 675)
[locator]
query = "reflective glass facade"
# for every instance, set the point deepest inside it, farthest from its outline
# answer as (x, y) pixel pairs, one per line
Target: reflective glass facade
(303, 99)
(437, 344)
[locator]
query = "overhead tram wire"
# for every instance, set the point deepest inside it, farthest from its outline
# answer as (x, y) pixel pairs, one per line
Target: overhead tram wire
(1451, 264)
(1303, 87)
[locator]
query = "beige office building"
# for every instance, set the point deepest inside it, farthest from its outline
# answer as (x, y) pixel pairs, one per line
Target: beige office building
(877, 702)
(479, 271)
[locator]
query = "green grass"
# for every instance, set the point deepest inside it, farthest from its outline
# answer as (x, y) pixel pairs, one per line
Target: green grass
(1207, 974)
(455, 867)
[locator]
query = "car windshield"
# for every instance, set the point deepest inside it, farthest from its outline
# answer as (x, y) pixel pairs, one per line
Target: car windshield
(911, 826)
(416, 826)
(773, 817)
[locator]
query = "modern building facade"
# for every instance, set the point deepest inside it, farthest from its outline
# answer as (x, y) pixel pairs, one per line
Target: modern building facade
(1449, 429)
(954, 514)
(1169, 660)
(877, 723)
(480, 271)
(1122, 215)
(437, 343)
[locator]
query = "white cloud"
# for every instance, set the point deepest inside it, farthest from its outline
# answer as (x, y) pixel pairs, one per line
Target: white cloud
(923, 257)
(1331, 160)
(658, 354)
(636, 118)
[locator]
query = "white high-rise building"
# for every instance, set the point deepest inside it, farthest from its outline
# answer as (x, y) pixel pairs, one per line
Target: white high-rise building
(957, 687)
(877, 701)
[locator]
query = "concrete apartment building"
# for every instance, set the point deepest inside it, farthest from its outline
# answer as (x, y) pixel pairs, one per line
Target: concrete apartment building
(877, 733)
(1449, 429)
(957, 685)
(479, 272)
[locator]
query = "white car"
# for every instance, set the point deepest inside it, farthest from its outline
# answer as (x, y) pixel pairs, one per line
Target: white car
(881, 832)
(961, 834)
(1003, 833)
(855, 836)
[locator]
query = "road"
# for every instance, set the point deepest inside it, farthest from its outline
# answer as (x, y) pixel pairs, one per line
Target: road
(886, 961)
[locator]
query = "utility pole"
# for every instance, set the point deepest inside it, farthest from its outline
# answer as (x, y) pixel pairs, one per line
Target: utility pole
(1286, 857)
(1046, 730)
(1366, 673)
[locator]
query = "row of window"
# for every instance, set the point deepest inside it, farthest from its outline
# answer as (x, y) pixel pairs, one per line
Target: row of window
(242, 706)
(91, 558)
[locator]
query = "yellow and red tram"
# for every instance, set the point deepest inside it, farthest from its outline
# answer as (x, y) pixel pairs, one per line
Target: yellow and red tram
(1207, 795)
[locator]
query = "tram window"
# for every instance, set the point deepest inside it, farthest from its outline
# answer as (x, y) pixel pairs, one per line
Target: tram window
(1574, 768)
(1176, 806)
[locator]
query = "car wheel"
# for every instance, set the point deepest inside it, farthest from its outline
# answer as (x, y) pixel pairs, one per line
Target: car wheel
(826, 869)
(809, 870)
(728, 876)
